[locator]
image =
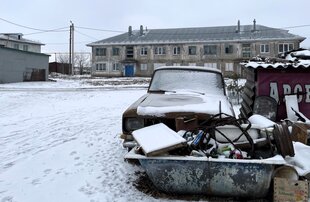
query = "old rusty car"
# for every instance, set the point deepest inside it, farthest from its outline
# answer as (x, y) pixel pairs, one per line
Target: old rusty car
(181, 97)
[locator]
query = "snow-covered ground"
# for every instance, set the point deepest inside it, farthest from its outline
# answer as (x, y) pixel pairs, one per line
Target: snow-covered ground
(59, 141)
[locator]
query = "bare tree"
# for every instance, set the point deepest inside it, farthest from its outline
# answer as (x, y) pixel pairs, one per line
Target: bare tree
(63, 58)
(81, 61)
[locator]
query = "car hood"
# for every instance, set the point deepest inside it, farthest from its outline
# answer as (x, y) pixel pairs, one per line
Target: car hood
(160, 104)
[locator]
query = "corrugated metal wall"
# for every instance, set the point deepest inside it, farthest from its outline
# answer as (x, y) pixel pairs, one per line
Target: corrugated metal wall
(14, 64)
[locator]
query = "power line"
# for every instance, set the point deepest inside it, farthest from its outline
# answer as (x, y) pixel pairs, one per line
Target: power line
(85, 35)
(157, 31)
(41, 30)
(65, 43)
(297, 26)
(102, 30)
(118, 31)
(54, 30)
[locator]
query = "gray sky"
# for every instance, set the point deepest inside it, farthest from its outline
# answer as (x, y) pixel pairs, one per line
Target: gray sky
(117, 15)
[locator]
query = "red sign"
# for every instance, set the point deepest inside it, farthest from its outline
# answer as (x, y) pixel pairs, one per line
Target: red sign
(277, 83)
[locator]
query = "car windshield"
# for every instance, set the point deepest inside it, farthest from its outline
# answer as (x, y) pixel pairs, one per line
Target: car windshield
(174, 80)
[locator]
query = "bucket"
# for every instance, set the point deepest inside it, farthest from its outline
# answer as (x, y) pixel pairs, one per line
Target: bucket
(287, 172)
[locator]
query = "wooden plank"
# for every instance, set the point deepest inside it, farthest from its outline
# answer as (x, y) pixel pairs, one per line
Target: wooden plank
(290, 190)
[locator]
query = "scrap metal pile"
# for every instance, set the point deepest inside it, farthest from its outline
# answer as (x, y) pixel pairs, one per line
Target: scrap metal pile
(224, 136)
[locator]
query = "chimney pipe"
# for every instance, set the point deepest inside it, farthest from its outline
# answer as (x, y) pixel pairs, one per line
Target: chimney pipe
(141, 30)
(254, 25)
(238, 27)
(129, 31)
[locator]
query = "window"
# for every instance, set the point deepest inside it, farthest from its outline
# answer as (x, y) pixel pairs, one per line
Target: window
(246, 50)
(25, 47)
(101, 51)
(143, 51)
(229, 67)
(212, 65)
(101, 67)
(210, 49)
(115, 51)
(284, 47)
(264, 48)
(129, 51)
(206, 82)
(160, 50)
(192, 50)
(143, 67)
(229, 49)
(16, 46)
(116, 66)
(176, 50)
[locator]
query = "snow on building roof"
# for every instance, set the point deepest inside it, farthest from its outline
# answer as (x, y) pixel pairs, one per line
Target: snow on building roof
(297, 59)
(199, 34)
(17, 37)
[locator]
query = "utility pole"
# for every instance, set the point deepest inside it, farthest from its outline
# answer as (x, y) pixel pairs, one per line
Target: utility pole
(71, 48)
(70, 65)
(72, 53)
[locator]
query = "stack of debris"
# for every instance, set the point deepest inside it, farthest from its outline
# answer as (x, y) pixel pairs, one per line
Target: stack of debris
(257, 147)
(226, 137)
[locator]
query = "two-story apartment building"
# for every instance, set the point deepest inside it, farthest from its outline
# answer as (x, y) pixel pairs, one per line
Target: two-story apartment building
(139, 52)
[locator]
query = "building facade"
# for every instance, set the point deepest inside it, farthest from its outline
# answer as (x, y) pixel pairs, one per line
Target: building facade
(16, 41)
(139, 52)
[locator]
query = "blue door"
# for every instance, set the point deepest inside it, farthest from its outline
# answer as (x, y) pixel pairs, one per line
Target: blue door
(129, 70)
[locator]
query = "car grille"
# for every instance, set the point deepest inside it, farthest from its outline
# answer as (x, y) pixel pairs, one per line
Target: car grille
(168, 122)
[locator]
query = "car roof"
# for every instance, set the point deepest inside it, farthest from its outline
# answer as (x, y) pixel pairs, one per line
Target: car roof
(190, 68)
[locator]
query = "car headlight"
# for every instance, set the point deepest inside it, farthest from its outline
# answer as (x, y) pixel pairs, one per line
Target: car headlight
(133, 124)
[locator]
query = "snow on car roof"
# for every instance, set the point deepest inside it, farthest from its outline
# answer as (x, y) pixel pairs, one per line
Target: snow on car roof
(190, 68)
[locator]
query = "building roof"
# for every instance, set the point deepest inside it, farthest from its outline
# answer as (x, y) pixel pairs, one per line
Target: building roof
(200, 35)
(17, 37)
